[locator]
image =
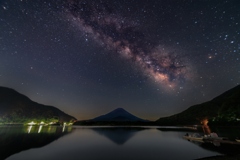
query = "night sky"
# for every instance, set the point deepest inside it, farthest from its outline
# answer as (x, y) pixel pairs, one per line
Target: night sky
(153, 58)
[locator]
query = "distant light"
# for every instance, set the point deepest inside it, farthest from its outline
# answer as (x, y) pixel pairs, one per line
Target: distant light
(31, 123)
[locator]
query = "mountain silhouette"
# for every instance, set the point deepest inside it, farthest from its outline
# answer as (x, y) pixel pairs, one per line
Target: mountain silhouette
(118, 115)
(18, 108)
(224, 110)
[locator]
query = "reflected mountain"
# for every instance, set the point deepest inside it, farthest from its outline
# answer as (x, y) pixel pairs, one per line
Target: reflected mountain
(14, 139)
(119, 135)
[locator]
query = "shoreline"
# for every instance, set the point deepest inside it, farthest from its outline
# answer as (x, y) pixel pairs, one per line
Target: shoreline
(222, 157)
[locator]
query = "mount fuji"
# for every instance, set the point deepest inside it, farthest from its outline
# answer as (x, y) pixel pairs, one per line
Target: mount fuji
(118, 115)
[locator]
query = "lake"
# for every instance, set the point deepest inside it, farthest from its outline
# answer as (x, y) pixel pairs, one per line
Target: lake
(108, 143)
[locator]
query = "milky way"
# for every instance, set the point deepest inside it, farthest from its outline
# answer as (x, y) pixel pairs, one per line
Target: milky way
(117, 33)
(154, 58)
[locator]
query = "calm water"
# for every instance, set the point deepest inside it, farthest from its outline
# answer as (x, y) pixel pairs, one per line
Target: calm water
(107, 143)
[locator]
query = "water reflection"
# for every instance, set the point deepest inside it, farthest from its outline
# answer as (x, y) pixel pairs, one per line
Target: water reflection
(29, 129)
(224, 145)
(206, 129)
(223, 148)
(40, 128)
(46, 129)
(14, 139)
(119, 135)
(116, 143)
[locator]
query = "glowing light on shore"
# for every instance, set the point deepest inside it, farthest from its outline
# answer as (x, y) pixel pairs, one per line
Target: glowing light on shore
(31, 123)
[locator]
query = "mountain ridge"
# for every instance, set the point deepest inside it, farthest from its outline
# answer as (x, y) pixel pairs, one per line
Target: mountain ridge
(223, 109)
(18, 108)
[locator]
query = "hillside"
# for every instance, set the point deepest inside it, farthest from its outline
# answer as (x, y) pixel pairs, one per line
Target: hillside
(17, 108)
(224, 109)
